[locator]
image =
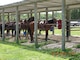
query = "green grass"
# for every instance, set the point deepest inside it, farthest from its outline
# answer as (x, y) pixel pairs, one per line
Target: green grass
(12, 51)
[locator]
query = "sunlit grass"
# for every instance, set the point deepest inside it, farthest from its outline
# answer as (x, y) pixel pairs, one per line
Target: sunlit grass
(12, 51)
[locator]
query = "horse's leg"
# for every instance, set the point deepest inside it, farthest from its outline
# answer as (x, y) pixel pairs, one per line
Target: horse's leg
(31, 35)
(39, 32)
(1, 32)
(12, 32)
(19, 31)
(46, 37)
(19, 34)
(7, 32)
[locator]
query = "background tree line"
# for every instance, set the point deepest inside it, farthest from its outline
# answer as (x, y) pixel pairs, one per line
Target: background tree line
(75, 14)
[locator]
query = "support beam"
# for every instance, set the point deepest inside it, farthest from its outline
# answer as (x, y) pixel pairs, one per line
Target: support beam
(28, 15)
(67, 23)
(3, 26)
(52, 14)
(53, 26)
(18, 15)
(35, 24)
(0, 17)
(31, 13)
(46, 13)
(8, 17)
(39, 20)
(39, 15)
(17, 26)
(63, 23)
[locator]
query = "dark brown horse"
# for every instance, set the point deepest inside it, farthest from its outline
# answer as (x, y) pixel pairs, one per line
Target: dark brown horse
(11, 25)
(8, 26)
(45, 26)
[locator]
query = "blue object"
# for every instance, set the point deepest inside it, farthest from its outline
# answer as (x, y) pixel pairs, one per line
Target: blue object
(25, 33)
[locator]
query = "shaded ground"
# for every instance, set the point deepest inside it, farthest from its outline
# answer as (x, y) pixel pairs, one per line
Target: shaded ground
(56, 41)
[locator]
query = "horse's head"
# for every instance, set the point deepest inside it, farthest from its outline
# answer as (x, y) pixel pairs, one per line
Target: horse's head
(31, 19)
(54, 20)
(25, 21)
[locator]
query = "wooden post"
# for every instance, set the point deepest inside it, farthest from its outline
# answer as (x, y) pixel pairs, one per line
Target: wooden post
(28, 15)
(39, 16)
(53, 26)
(46, 13)
(67, 24)
(63, 23)
(35, 24)
(31, 13)
(18, 15)
(8, 17)
(39, 20)
(0, 17)
(3, 25)
(17, 26)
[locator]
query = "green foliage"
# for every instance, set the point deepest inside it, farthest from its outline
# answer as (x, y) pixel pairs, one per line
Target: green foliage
(75, 14)
(43, 16)
(58, 15)
(23, 16)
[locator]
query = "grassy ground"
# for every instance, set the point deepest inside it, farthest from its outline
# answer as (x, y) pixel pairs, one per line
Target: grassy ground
(12, 51)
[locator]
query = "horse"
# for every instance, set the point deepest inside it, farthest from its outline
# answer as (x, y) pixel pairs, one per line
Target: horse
(45, 26)
(22, 25)
(10, 26)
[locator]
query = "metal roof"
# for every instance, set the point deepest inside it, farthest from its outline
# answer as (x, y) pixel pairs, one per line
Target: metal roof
(28, 5)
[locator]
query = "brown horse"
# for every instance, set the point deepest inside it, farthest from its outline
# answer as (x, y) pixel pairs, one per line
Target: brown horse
(45, 26)
(12, 26)
(24, 24)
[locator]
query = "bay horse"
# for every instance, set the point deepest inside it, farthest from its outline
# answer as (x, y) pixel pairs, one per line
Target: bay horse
(23, 24)
(45, 26)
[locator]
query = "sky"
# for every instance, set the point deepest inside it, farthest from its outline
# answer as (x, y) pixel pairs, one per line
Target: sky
(5, 2)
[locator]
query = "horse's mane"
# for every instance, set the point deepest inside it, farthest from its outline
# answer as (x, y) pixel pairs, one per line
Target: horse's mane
(52, 21)
(31, 19)
(49, 21)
